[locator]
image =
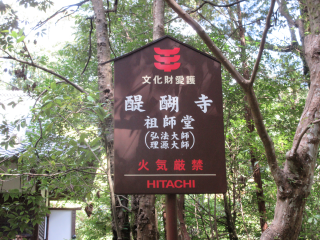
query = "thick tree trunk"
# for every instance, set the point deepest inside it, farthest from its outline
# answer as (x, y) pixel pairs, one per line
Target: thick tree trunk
(164, 219)
(145, 217)
(123, 218)
(295, 180)
(135, 211)
(146, 222)
(299, 167)
(103, 52)
(183, 228)
(121, 228)
(158, 19)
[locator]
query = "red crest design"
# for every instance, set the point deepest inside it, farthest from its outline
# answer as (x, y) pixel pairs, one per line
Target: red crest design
(168, 56)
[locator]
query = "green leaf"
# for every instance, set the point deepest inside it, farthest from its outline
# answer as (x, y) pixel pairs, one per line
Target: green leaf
(20, 39)
(20, 32)
(5, 31)
(91, 99)
(47, 105)
(95, 141)
(6, 196)
(53, 85)
(96, 148)
(23, 123)
(73, 143)
(49, 127)
(14, 34)
(82, 137)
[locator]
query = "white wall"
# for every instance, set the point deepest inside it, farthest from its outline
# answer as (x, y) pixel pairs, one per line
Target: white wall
(15, 182)
(60, 225)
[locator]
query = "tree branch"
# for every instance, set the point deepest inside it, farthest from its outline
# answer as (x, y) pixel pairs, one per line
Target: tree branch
(40, 134)
(215, 50)
(47, 175)
(245, 84)
(9, 84)
(227, 5)
(288, 48)
(285, 12)
(302, 134)
(121, 206)
(90, 52)
(77, 130)
(204, 3)
(115, 6)
(43, 92)
(263, 41)
(48, 71)
(61, 10)
(25, 45)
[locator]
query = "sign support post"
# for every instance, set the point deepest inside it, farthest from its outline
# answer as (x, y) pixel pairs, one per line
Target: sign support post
(171, 211)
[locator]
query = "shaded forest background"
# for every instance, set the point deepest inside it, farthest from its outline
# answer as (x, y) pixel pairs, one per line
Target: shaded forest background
(70, 134)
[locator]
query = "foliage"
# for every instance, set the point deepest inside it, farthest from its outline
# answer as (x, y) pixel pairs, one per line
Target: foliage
(99, 224)
(22, 212)
(65, 132)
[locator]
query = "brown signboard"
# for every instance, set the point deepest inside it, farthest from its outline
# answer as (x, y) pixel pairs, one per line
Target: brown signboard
(168, 135)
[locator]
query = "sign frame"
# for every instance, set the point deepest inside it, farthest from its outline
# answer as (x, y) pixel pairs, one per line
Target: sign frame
(168, 135)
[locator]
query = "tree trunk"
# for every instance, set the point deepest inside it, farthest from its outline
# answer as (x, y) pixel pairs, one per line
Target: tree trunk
(250, 126)
(158, 19)
(297, 177)
(229, 221)
(146, 222)
(259, 193)
(145, 217)
(119, 216)
(298, 172)
(257, 175)
(103, 53)
(135, 210)
(123, 218)
(180, 213)
(164, 219)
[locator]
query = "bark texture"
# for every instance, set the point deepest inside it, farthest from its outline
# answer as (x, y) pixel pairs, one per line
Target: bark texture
(158, 19)
(120, 221)
(259, 193)
(294, 181)
(164, 219)
(103, 52)
(122, 217)
(299, 167)
(146, 223)
(314, 13)
(183, 228)
(229, 220)
(146, 228)
(250, 126)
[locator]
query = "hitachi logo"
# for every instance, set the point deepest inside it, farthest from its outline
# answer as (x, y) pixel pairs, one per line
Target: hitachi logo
(171, 184)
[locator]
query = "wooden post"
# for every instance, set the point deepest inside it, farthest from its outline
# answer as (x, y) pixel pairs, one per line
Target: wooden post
(171, 211)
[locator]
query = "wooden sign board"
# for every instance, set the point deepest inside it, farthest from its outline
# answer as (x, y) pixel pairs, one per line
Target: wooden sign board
(168, 117)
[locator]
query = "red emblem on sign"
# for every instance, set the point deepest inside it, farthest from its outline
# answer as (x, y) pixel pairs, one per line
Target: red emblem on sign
(164, 62)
